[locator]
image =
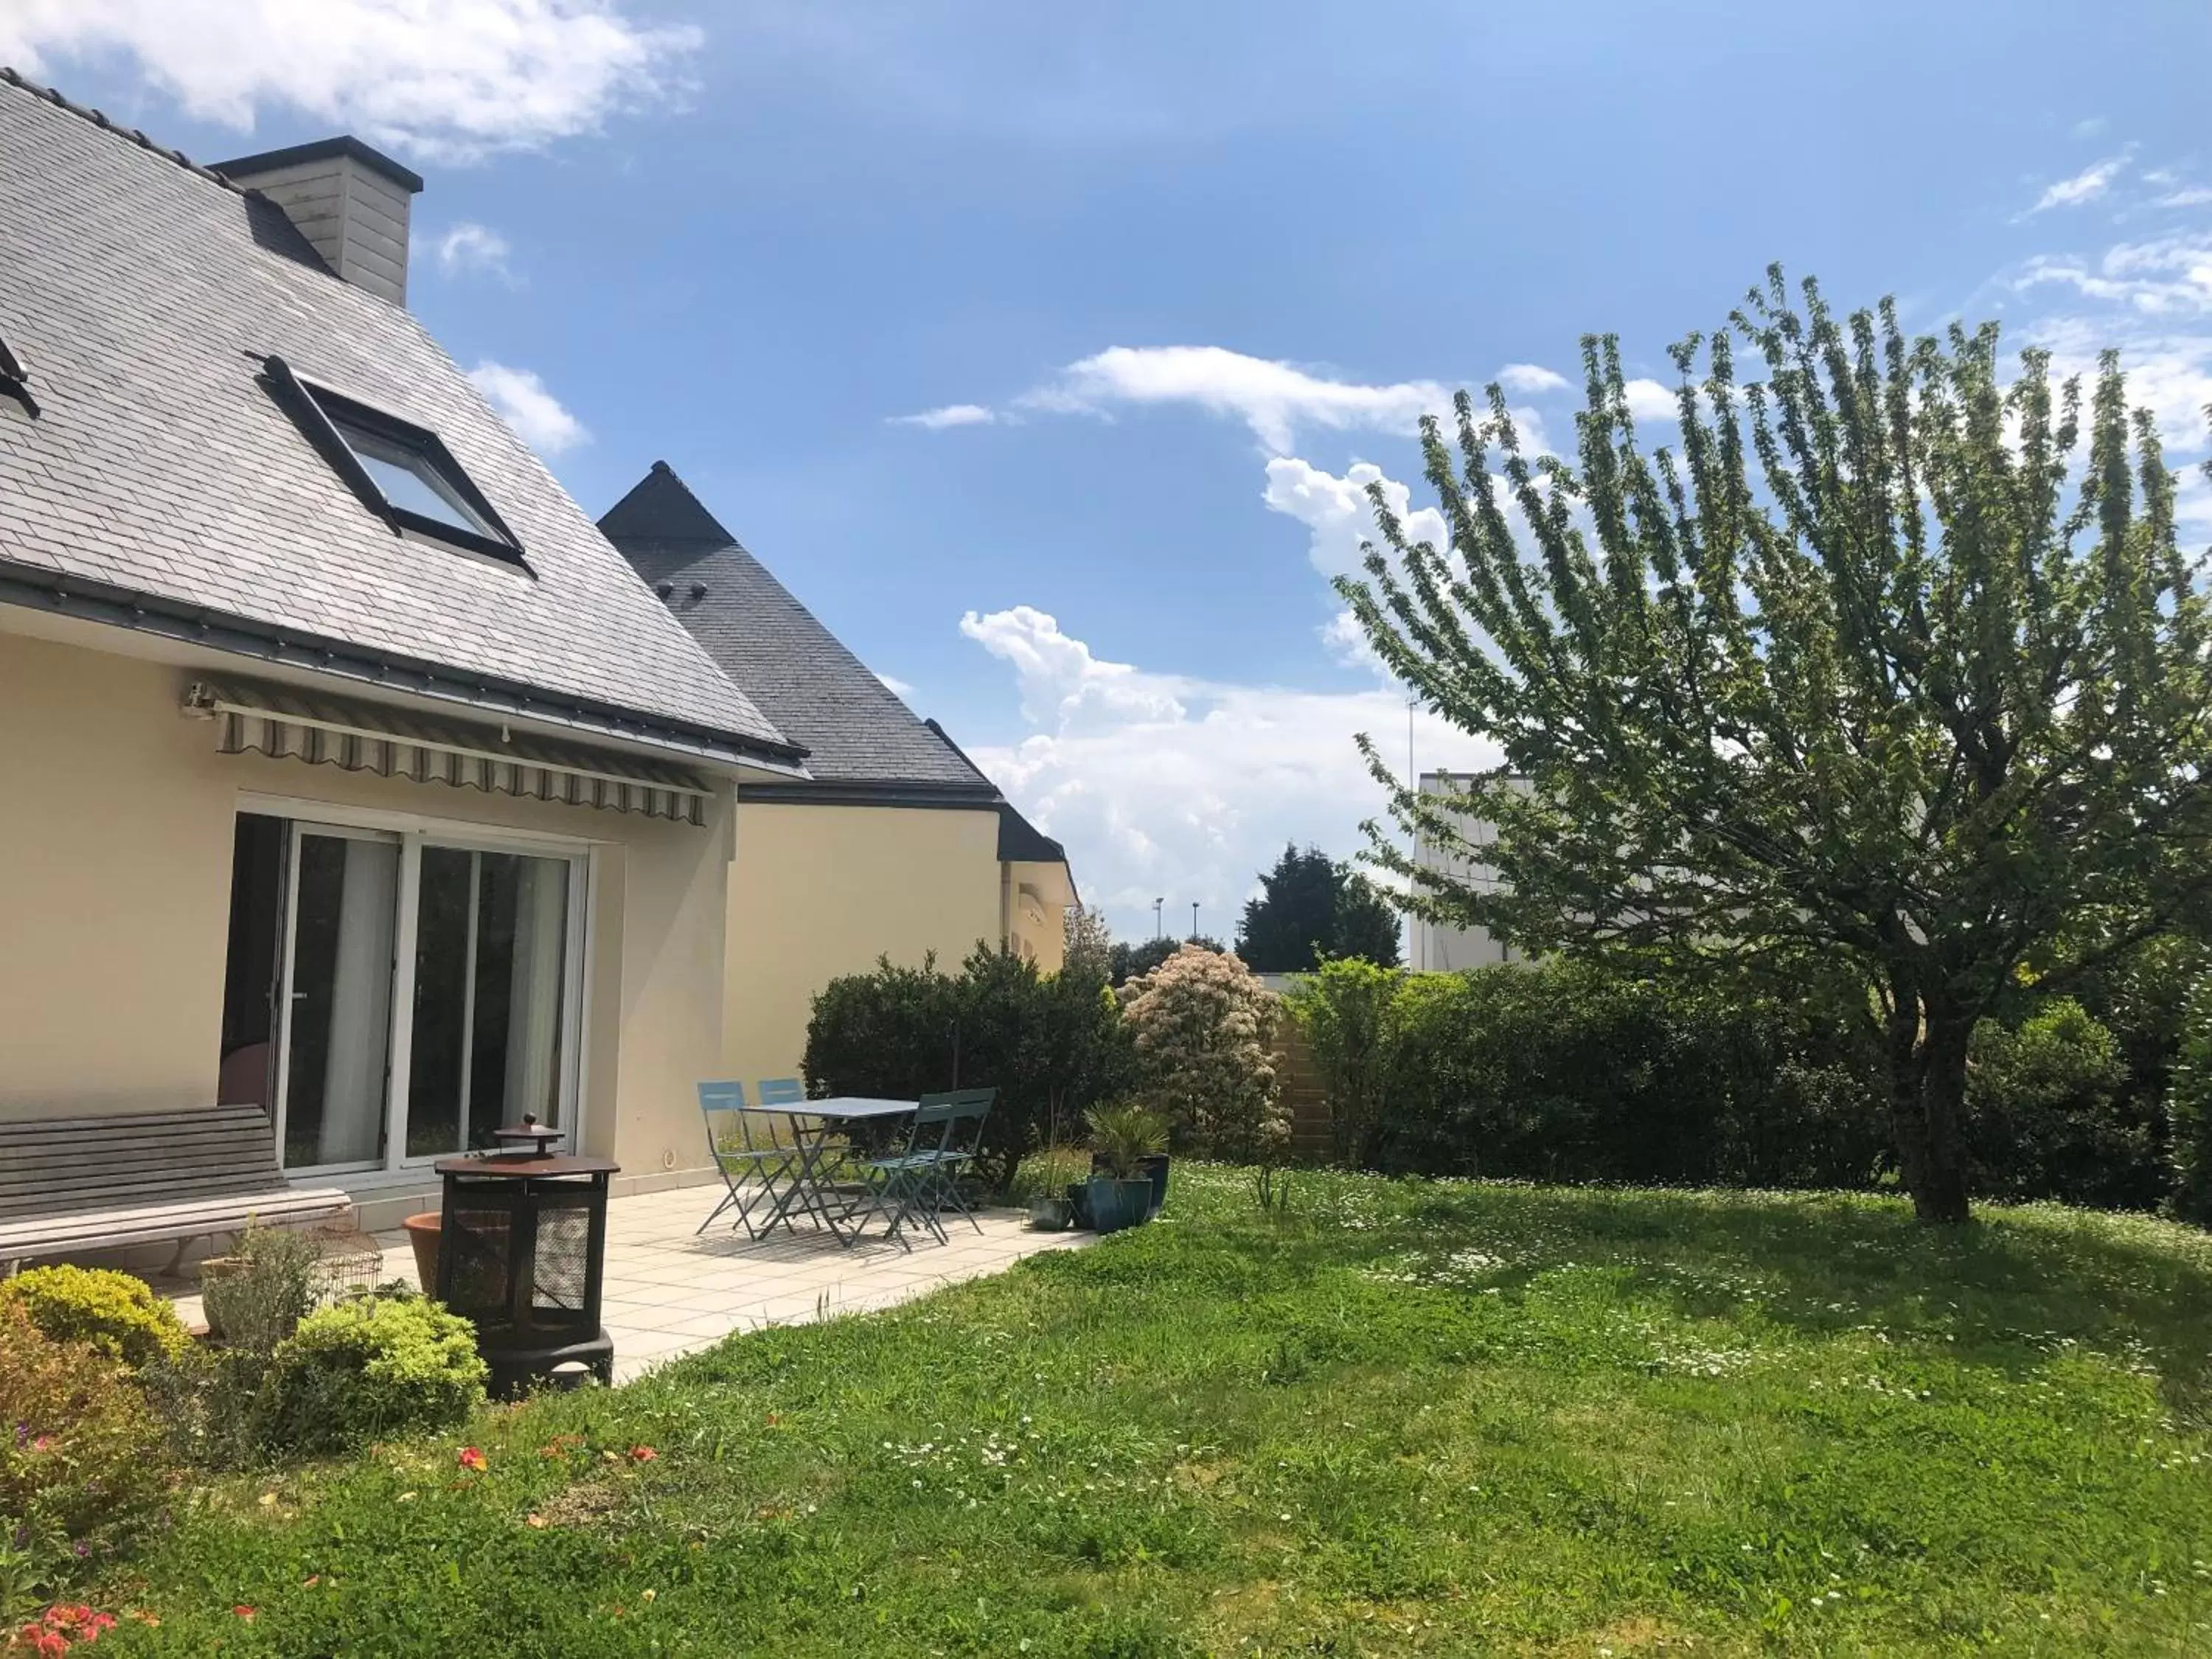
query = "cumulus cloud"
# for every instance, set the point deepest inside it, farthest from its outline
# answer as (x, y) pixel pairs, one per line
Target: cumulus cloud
(1648, 400)
(1337, 512)
(1166, 784)
(2084, 186)
(1530, 379)
(895, 686)
(1276, 399)
(522, 401)
(469, 246)
(936, 420)
(453, 80)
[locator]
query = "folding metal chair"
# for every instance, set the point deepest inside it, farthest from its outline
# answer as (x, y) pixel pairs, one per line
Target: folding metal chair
(745, 1148)
(920, 1181)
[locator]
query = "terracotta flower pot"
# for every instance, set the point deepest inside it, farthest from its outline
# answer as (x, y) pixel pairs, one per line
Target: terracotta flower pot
(423, 1234)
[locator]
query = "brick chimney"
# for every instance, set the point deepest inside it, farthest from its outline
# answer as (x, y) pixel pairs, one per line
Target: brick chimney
(349, 200)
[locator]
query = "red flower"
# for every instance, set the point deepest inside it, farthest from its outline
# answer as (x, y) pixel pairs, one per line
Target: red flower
(245, 1613)
(642, 1453)
(473, 1460)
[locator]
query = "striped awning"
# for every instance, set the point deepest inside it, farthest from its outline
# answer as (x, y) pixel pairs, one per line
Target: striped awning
(289, 724)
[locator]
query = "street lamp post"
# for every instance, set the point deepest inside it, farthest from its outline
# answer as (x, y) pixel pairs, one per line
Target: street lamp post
(1194, 919)
(1157, 904)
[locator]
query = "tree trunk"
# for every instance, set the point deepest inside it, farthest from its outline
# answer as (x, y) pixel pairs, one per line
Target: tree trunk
(1927, 1038)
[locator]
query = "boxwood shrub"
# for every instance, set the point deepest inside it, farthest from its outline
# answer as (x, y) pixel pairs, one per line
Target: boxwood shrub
(371, 1370)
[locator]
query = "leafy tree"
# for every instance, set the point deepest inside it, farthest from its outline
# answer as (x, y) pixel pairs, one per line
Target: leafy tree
(1090, 948)
(1889, 663)
(1135, 961)
(1310, 908)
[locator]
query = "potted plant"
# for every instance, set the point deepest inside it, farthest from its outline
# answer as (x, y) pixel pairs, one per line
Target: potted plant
(1153, 1166)
(1122, 1137)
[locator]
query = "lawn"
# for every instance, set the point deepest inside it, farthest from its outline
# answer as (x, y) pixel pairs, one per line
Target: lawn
(1399, 1417)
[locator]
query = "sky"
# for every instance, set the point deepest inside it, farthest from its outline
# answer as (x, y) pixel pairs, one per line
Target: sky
(1046, 355)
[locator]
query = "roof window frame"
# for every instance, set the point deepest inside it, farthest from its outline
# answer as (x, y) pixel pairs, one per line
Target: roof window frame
(321, 410)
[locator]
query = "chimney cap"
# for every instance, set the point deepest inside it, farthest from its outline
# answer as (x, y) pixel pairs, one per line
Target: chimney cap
(241, 171)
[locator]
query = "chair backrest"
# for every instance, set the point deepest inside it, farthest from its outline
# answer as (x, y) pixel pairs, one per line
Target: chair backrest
(952, 1122)
(729, 1130)
(723, 1096)
(780, 1092)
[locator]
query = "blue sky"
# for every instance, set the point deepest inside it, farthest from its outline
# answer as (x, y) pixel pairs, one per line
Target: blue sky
(750, 238)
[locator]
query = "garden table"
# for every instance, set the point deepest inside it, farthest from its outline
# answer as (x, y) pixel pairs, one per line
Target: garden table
(803, 1184)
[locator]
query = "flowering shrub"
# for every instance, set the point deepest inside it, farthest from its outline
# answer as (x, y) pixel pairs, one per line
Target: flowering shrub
(83, 1468)
(370, 1370)
(116, 1313)
(1204, 1026)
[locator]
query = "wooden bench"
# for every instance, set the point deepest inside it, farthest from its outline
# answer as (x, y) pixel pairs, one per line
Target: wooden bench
(75, 1184)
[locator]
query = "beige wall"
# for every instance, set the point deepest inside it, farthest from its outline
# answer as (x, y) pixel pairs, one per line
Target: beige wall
(823, 890)
(1037, 900)
(116, 820)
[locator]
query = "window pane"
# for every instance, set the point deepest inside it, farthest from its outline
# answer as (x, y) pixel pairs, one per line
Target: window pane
(334, 1090)
(490, 956)
(441, 975)
(522, 919)
(409, 479)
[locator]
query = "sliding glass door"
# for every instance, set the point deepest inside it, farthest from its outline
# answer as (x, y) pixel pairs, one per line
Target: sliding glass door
(427, 988)
(490, 946)
(338, 1018)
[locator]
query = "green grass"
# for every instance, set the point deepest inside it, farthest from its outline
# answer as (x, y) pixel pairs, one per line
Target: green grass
(1405, 1418)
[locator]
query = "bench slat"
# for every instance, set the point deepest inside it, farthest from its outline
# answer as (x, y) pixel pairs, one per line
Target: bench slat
(141, 1177)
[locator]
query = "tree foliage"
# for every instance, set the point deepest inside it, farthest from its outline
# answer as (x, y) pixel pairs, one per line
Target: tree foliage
(1133, 960)
(1311, 907)
(1889, 662)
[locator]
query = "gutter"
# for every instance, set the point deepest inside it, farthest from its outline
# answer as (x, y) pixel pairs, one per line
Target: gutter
(244, 637)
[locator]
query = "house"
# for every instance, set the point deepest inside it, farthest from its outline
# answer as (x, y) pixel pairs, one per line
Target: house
(345, 770)
(1437, 948)
(893, 845)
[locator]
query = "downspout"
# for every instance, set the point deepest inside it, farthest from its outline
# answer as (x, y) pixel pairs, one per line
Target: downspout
(1005, 905)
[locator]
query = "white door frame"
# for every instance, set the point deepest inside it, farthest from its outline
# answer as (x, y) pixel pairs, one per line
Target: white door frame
(412, 832)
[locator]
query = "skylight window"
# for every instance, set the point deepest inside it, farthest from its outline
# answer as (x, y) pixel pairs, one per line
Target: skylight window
(401, 471)
(15, 379)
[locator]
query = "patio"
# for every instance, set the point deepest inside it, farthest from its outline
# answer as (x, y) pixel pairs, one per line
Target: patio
(667, 1292)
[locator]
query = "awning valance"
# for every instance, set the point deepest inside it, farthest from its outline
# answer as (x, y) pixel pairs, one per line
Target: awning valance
(286, 723)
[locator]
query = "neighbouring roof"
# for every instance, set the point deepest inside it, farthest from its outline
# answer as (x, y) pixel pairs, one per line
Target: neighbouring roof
(1021, 842)
(161, 484)
(860, 738)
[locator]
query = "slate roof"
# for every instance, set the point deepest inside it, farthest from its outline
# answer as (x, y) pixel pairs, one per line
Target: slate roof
(861, 740)
(160, 478)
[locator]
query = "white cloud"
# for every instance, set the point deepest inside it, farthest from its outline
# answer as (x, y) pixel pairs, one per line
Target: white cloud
(2188, 196)
(2089, 126)
(1648, 400)
(522, 401)
(469, 246)
(1529, 379)
(1337, 512)
(1165, 784)
(895, 686)
(2169, 276)
(936, 420)
(2085, 185)
(449, 79)
(1275, 398)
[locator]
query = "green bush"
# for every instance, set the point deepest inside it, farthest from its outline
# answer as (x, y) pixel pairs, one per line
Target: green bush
(1343, 1010)
(1567, 1072)
(1052, 1044)
(83, 1469)
(2047, 1117)
(117, 1313)
(274, 1281)
(370, 1370)
(2189, 1111)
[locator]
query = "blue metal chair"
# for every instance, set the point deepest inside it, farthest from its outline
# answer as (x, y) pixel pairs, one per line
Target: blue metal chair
(745, 1148)
(921, 1180)
(780, 1092)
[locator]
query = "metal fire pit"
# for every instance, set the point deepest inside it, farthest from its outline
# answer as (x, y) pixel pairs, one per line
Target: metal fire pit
(522, 1247)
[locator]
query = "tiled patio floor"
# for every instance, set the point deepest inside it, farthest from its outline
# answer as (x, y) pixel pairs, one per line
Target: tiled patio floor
(668, 1293)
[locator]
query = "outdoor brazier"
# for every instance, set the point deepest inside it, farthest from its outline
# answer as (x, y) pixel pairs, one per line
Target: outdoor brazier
(522, 1249)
